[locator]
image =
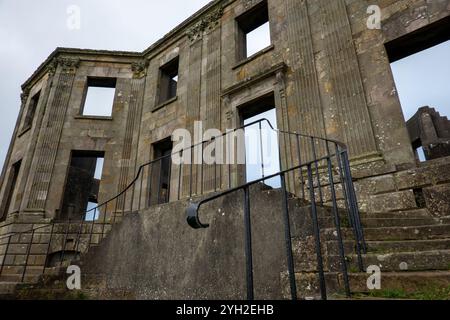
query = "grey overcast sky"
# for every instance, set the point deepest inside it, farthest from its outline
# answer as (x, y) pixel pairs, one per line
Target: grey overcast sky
(31, 30)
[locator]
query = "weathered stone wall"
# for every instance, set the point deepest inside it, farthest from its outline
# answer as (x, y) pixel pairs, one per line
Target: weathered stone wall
(155, 256)
(330, 76)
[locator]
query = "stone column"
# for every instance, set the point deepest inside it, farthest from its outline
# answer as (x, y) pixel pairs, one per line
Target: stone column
(133, 117)
(50, 136)
(345, 107)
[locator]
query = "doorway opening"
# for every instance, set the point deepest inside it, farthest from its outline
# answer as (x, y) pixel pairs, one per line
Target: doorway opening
(161, 172)
(10, 189)
(261, 141)
(82, 186)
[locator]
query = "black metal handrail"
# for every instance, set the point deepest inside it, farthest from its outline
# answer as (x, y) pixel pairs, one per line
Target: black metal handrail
(95, 230)
(313, 172)
(136, 178)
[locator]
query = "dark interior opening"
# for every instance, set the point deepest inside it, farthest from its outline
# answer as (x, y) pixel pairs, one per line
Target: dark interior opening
(161, 172)
(168, 82)
(248, 22)
(257, 106)
(10, 188)
(82, 185)
(28, 122)
(102, 82)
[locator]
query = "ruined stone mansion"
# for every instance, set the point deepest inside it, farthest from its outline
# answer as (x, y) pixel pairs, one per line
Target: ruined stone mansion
(323, 72)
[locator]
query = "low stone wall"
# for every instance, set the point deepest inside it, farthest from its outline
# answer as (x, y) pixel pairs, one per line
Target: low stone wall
(156, 255)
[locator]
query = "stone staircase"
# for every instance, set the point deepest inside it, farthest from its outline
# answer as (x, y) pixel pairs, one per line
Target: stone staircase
(411, 248)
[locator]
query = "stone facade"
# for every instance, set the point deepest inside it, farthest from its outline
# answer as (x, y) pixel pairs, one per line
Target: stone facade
(329, 74)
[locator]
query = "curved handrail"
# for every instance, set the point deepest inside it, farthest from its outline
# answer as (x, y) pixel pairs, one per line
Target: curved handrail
(192, 211)
(341, 145)
(350, 201)
(193, 218)
(143, 166)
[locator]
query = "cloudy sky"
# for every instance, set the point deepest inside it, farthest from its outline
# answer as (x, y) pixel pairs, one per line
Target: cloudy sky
(31, 30)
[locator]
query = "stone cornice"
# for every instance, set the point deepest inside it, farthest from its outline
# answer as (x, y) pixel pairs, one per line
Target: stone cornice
(50, 64)
(206, 18)
(188, 23)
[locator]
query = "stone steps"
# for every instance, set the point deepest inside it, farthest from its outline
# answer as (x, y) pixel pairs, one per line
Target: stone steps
(388, 222)
(7, 288)
(412, 249)
(418, 283)
(398, 262)
(327, 212)
(395, 233)
(393, 246)
(409, 282)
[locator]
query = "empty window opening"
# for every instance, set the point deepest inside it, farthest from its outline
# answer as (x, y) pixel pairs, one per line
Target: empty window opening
(161, 172)
(168, 82)
(422, 80)
(99, 97)
(254, 31)
(421, 71)
(82, 186)
(261, 146)
(420, 154)
(10, 189)
(28, 122)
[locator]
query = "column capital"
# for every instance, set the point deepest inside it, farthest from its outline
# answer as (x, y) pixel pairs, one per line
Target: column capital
(139, 68)
(68, 65)
(24, 95)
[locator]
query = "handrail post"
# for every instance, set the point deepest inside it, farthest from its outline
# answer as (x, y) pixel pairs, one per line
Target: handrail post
(180, 166)
(48, 247)
(319, 185)
(248, 245)
(354, 225)
(27, 256)
(202, 168)
(337, 222)
(104, 217)
(62, 256)
(316, 230)
(140, 188)
(80, 232)
(190, 172)
(160, 180)
(261, 150)
(301, 170)
(92, 229)
(5, 254)
(288, 240)
(354, 202)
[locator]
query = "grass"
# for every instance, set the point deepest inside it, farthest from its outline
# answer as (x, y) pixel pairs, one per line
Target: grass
(431, 292)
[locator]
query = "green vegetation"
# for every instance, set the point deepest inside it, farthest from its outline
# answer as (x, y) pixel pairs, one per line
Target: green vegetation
(431, 292)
